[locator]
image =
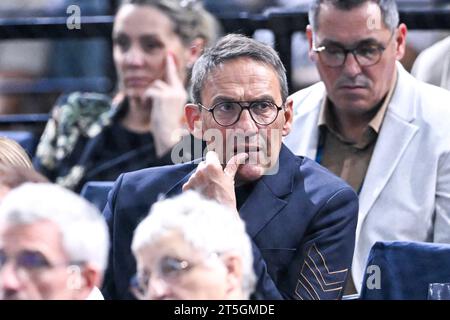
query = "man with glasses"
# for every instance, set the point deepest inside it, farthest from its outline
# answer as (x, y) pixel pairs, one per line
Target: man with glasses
(375, 126)
(175, 262)
(53, 245)
(301, 218)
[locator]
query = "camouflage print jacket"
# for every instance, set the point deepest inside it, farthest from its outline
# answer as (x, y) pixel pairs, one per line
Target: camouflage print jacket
(73, 135)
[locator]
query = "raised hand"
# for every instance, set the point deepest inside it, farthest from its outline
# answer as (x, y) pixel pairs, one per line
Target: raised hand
(168, 97)
(214, 181)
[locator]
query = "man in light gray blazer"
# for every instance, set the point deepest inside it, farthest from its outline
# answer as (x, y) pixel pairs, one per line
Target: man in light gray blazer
(433, 64)
(373, 124)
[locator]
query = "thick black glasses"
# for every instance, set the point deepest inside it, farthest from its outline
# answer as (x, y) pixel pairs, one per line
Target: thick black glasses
(367, 54)
(228, 113)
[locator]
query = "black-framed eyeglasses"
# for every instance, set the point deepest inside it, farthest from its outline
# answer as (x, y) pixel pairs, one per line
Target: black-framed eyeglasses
(366, 54)
(169, 269)
(228, 113)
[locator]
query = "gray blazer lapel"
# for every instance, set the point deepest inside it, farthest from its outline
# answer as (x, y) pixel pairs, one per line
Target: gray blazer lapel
(392, 142)
(396, 133)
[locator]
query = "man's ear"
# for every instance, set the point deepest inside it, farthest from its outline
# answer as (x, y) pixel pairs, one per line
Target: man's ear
(235, 277)
(288, 116)
(82, 280)
(400, 40)
(195, 50)
(309, 36)
(192, 113)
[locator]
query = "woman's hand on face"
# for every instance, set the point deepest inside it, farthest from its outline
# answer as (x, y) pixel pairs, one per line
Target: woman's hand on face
(167, 97)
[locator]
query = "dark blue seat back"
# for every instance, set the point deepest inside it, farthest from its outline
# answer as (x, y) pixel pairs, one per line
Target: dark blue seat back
(97, 192)
(405, 270)
(26, 139)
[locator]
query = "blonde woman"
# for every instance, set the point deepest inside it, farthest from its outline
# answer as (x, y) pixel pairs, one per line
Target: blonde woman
(15, 166)
(14, 176)
(93, 137)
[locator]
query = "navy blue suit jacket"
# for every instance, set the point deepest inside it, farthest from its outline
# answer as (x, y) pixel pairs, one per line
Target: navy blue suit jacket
(302, 222)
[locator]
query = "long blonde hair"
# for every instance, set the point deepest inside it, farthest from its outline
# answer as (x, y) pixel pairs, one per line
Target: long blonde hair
(13, 155)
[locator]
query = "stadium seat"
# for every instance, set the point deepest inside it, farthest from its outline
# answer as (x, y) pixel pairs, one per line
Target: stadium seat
(403, 270)
(97, 192)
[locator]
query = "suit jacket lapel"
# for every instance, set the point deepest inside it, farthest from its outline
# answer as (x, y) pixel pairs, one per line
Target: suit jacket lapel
(266, 199)
(396, 133)
(177, 187)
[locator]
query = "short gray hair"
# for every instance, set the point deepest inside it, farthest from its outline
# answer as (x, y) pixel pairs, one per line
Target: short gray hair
(83, 229)
(190, 19)
(204, 224)
(389, 11)
(230, 47)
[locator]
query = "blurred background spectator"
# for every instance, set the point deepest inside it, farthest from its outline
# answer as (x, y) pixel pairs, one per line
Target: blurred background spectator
(92, 137)
(419, 40)
(433, 64)
(15, 167)
(12, 177)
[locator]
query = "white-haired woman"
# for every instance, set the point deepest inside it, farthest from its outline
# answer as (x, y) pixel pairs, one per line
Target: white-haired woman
(192, 248)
